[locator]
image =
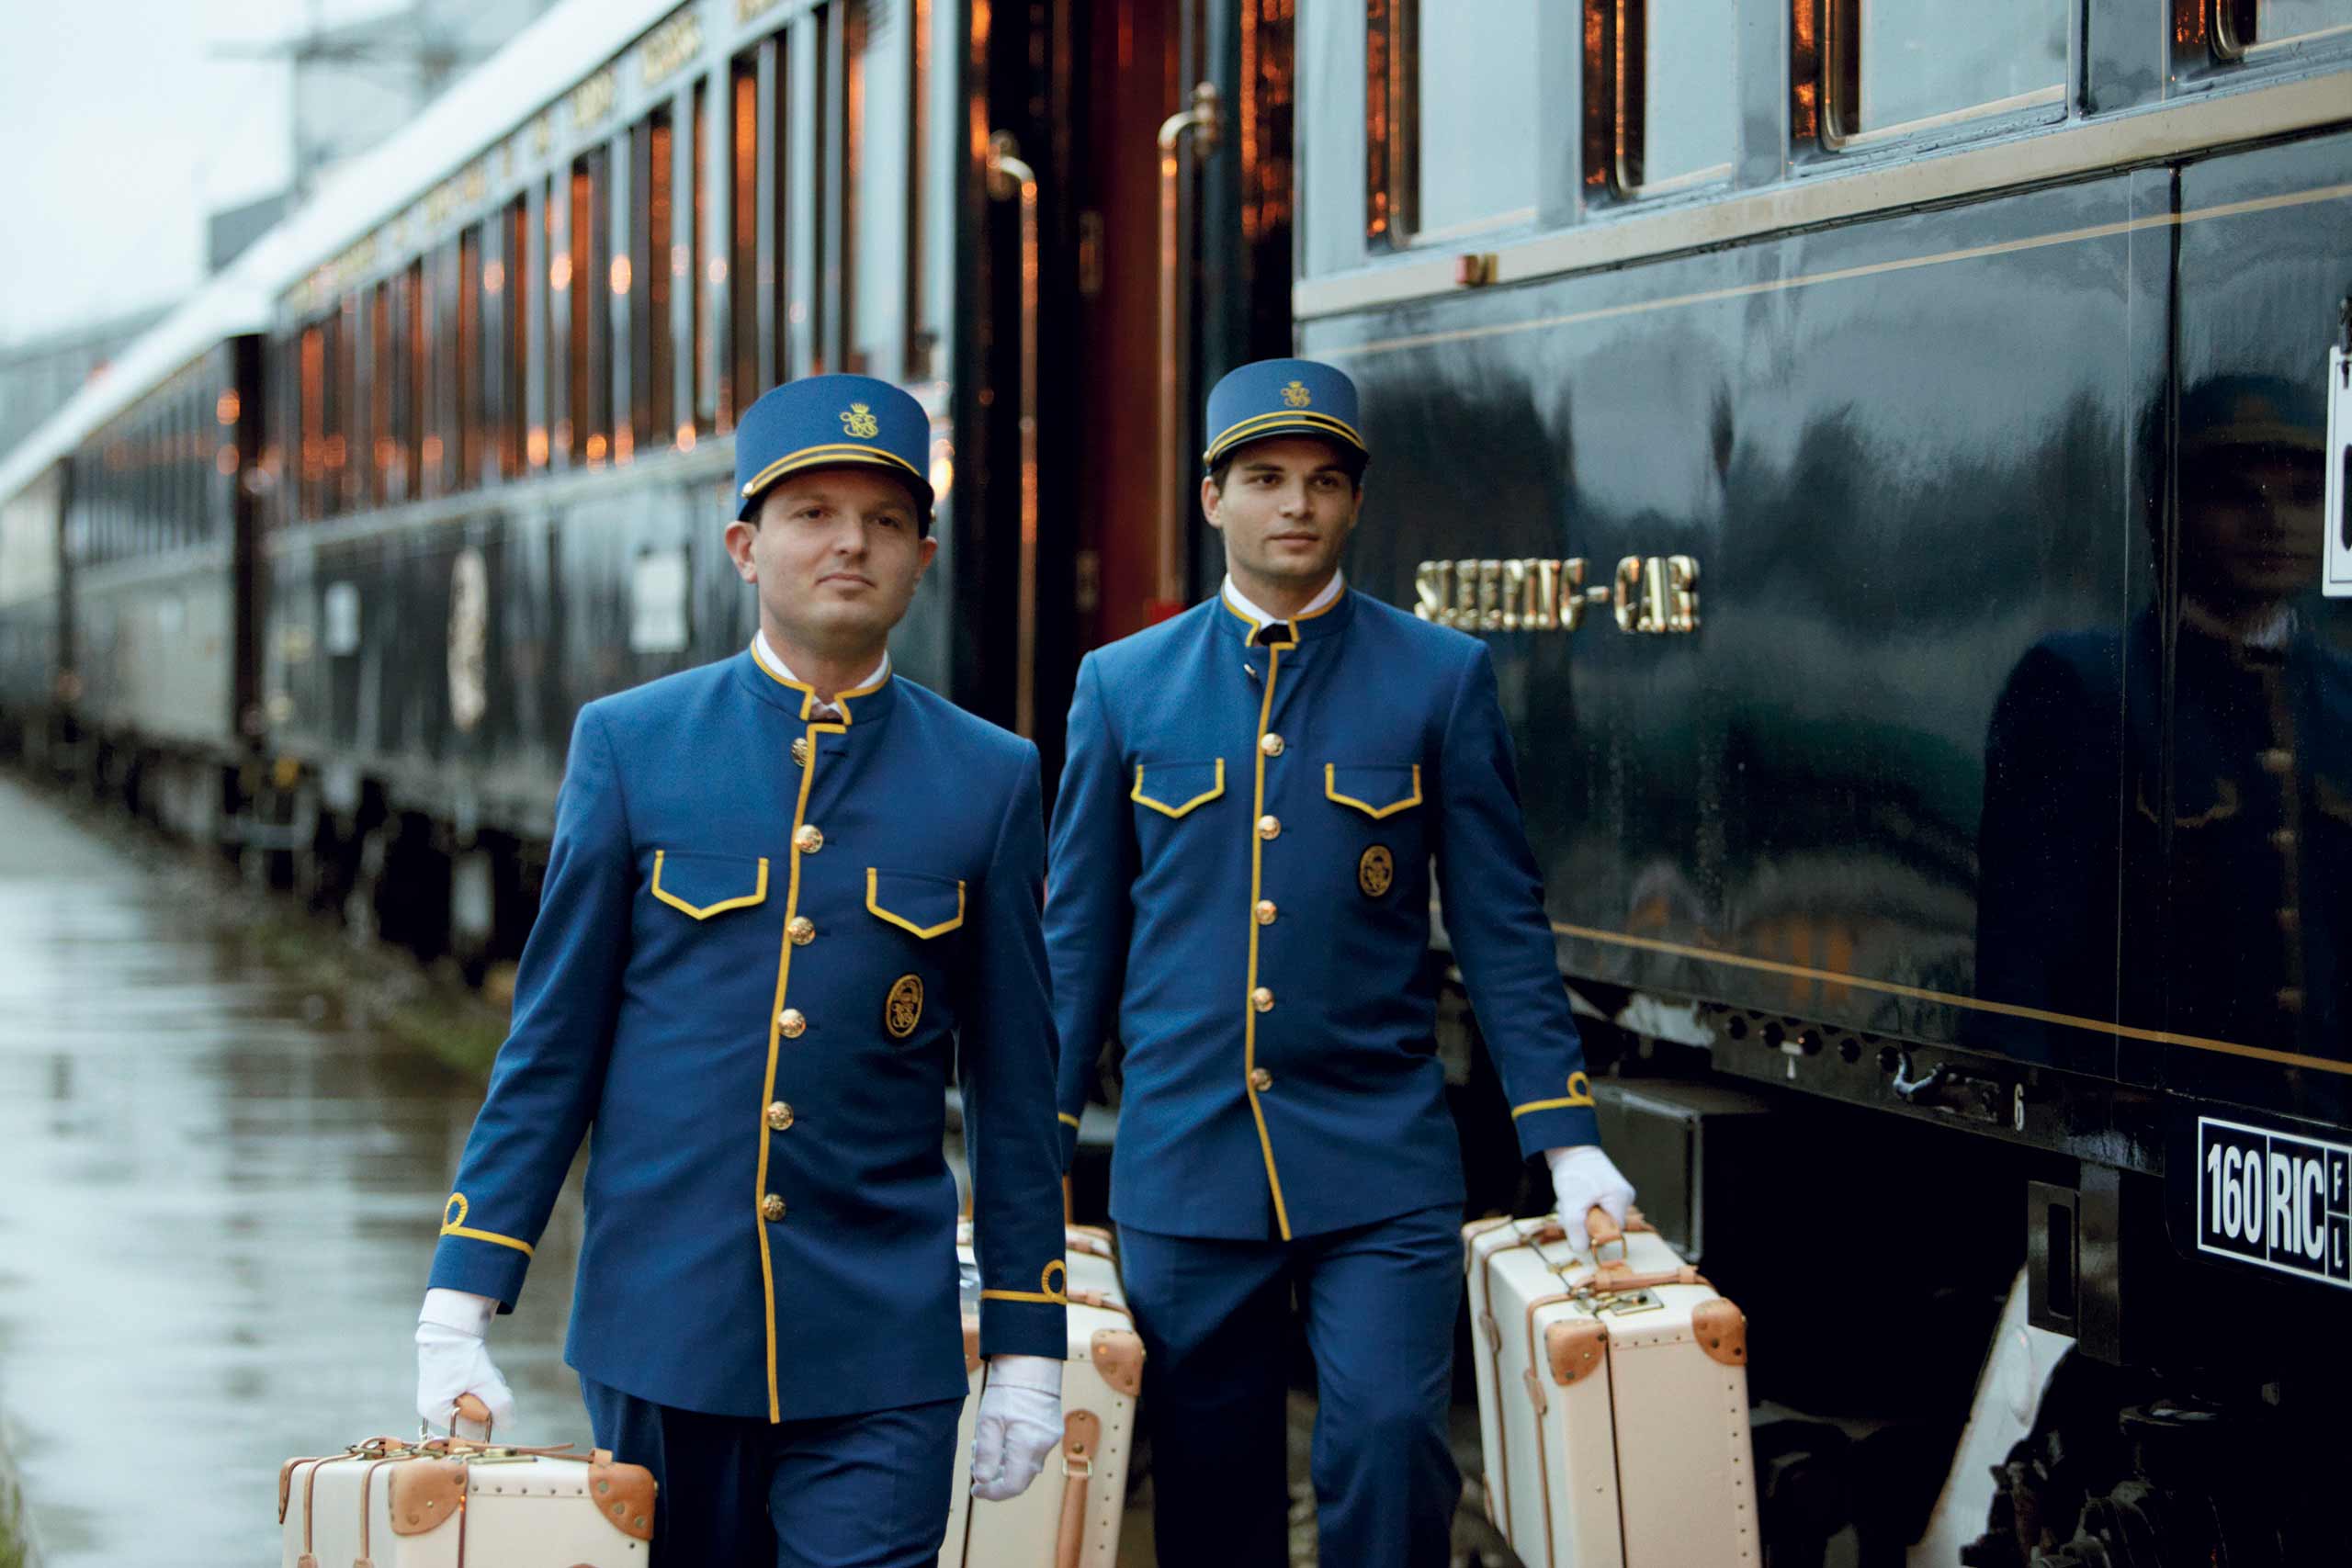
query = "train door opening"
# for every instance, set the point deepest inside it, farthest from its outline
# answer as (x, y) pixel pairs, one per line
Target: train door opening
(1174, 229)
(1130, 80)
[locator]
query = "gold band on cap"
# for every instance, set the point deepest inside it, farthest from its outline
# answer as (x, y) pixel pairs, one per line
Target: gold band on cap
(817, 457)
(1302, 419)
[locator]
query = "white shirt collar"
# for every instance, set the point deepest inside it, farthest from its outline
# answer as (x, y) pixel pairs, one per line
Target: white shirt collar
(1240, 600)
(764, 652)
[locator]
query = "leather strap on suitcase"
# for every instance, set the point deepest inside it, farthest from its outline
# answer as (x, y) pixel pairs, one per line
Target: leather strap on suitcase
(1082, 1432)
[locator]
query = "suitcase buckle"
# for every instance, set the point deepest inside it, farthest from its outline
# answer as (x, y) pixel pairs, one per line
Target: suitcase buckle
(1627, 1304)
(1080, 1469)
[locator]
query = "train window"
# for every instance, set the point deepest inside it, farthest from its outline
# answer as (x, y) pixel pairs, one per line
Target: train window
(702, 376)
(2244, 28)
(312, 439)
(1454, 117)
(653, 343)
(741, 382)
(1660, 99)
(514, 369)
(589, 372)
(378, 454)
(342, 357)
(412, 360)
(878, 183)
(1897, 67)
(552, 437)
(829, 303)
(431, 342)
(468, 414)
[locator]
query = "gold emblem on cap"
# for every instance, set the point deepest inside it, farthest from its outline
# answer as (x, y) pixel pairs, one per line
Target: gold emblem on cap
(1376, 872)
(904, 1010)
(859, 420)
(1296, 395)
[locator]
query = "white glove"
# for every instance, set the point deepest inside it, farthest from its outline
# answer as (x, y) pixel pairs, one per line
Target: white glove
(1020, 1423)
(1581, 1177)
(453, 1360)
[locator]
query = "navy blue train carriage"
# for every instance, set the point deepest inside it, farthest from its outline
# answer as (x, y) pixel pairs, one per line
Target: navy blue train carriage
(1895, 451)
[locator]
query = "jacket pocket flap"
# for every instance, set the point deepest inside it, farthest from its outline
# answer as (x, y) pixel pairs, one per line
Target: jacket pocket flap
(915, 901)
(1376, 789)
(1173, 788)
(703, 886)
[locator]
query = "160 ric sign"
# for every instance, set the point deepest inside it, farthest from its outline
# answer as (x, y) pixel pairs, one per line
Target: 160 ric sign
(2284, 1202)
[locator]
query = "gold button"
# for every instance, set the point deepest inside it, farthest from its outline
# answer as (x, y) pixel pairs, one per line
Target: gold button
(779, 1116)
(1265, 911)
(2290, 1000)
(1260, 1079)
(802, 930)
(800, 751)
(771, 1208)
(809, 841)
(1272, 745)
(2277, 761)
(2283, 840)
(1262, 999)
(2290, 920)
(1270, 827)
(791, 1023)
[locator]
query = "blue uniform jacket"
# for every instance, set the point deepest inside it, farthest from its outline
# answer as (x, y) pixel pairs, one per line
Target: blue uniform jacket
(761, 942)
(1240, 893)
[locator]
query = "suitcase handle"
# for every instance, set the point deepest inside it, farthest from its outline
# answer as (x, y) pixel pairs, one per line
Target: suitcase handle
(1599, 1226)
(468, 1407)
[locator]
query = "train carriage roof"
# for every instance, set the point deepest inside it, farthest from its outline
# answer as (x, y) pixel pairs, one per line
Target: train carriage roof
(536, 67)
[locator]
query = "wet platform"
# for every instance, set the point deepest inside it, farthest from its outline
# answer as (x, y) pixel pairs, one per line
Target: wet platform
(220, 1185)
(218, 1201)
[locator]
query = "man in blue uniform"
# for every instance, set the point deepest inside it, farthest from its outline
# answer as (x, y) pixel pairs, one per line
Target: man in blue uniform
(764, 936)
(1241, 854)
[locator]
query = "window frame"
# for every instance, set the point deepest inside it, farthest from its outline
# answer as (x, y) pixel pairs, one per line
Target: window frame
(2221, 39)
(1391, 161)
(588, 345)
(466, 331)
(1616, 109)
(1838, 62)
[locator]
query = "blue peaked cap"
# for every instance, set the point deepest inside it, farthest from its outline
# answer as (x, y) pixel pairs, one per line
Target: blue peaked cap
(1281, 397)
(828, 422)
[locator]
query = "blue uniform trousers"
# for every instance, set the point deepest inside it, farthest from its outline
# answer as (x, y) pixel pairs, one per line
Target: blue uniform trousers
(862, 1491)
(1380, 1302)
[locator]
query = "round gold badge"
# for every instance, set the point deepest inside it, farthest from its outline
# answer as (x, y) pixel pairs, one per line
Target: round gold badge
(1375, 872)
(904, 1010)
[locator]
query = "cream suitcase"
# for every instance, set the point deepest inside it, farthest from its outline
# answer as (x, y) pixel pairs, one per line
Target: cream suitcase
(1070, 1516)
(389, 1504)
(1613, 1400)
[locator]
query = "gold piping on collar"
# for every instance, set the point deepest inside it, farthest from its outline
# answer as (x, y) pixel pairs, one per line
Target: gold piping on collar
(808, 693)
(1250, 638)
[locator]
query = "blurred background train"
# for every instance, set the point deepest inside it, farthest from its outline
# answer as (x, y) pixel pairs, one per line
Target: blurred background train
(1895, 450)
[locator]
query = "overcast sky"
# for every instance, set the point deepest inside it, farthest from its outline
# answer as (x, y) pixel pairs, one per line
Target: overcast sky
(120, 127)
